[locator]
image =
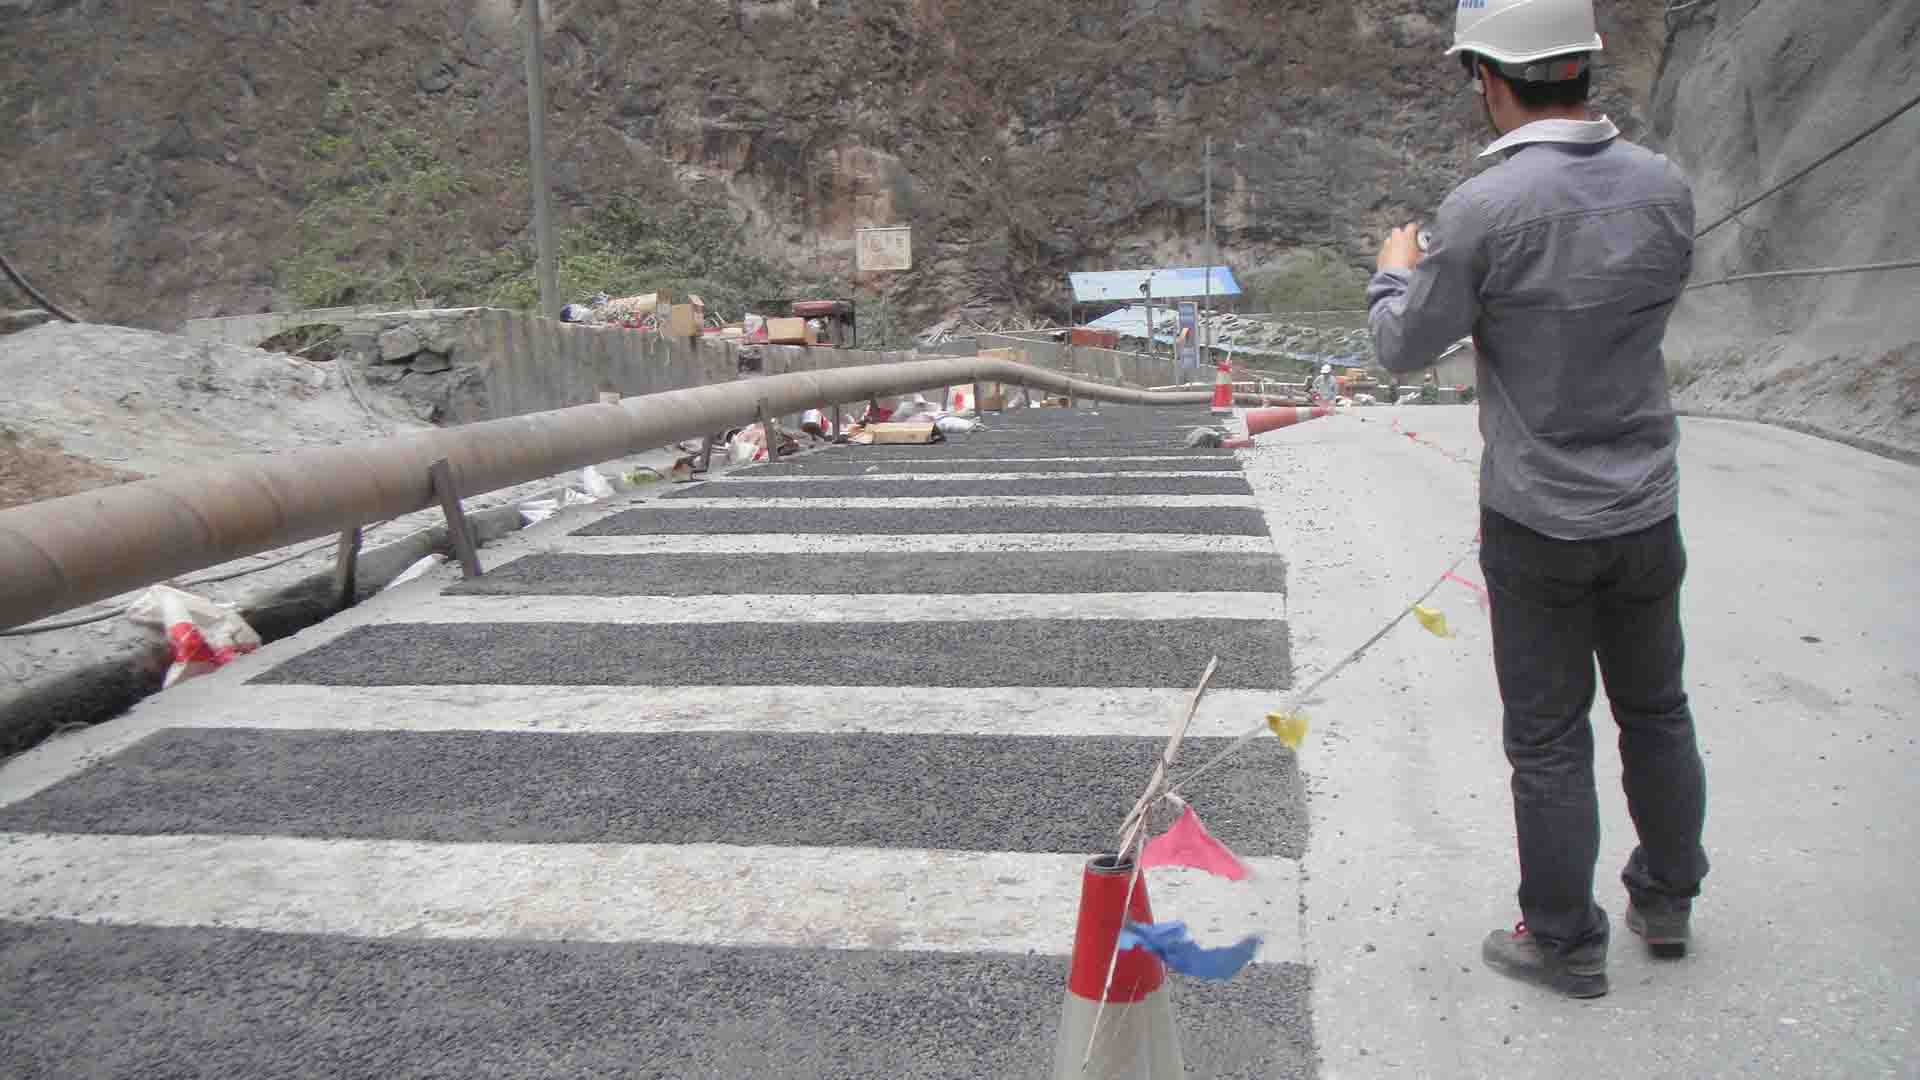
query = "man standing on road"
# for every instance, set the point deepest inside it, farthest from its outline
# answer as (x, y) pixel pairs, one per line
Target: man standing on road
(1565, 260)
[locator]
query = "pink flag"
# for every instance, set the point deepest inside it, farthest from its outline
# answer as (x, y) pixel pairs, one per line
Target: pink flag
(1188, 843)
(1479, 593)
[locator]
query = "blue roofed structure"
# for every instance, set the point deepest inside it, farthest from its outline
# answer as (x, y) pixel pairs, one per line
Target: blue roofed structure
(1169, 283)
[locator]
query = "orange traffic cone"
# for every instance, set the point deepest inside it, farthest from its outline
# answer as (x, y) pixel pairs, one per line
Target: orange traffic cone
(1222, 389)
(1260, 421)
(1132, 1037)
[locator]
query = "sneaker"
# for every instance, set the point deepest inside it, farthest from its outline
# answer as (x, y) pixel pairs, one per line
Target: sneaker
(1518, 954)
(1665, 931)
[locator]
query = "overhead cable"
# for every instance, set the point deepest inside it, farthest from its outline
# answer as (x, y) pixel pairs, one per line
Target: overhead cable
(1822, 160)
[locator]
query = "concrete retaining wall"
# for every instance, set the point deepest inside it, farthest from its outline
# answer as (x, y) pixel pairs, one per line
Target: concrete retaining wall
(531, 364)
(484, 363)
(254, 329)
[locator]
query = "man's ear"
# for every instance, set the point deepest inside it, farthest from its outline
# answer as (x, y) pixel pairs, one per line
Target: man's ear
(1480, 78)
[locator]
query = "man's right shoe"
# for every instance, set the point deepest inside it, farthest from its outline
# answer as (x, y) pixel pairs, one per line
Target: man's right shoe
(1665, 932)
(1518, 954)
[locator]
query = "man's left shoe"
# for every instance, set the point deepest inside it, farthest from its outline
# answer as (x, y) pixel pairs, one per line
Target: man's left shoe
(1581, 973)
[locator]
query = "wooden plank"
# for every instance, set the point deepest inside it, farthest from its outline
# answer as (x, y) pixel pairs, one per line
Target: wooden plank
(901, 433)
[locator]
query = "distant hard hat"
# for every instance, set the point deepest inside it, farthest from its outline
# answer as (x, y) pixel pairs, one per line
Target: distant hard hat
(1521, 32)
(1326, 369)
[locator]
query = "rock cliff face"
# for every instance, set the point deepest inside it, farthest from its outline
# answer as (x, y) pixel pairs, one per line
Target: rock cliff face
(1750, 93)
(154, 153)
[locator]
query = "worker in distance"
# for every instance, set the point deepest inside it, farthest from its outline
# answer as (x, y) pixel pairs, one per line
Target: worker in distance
(1564, 261)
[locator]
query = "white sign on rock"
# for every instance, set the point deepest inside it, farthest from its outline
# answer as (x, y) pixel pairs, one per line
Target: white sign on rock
(883, 249)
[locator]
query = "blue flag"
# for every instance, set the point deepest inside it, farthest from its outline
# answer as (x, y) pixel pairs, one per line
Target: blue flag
(1169, 942)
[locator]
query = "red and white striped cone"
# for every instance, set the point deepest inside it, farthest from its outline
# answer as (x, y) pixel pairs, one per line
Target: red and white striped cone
(1260, 421)
(1222, 389)
(1135, 1038)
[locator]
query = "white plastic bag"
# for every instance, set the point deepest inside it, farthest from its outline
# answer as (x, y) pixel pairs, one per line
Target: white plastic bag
(535, 511)
(954, 425)
(597, 485)
(202, 634)
(419, 567)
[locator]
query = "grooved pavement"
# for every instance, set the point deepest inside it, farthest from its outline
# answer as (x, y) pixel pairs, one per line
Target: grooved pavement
(878, 573)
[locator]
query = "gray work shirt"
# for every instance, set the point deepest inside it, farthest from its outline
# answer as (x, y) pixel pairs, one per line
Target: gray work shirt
(1564, 261)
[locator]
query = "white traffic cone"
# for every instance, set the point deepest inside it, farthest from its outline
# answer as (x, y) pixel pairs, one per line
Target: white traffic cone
(1133, 1037)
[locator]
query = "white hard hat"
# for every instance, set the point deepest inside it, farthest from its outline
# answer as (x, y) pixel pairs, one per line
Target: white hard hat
(1523, 31)
(1326, 369)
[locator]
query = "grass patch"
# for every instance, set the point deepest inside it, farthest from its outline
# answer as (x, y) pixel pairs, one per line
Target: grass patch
(1307, 279)
(386, 222)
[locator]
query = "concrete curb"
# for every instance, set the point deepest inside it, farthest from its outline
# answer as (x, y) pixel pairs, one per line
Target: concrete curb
(1858, 442)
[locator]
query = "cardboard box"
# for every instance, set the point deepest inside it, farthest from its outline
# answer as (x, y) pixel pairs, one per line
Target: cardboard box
(787, 331)
(682, 322)
(902, 433)
(1098, 339)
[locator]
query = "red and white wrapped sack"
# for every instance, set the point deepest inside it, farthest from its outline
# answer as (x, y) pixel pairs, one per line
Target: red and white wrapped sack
(202, 634)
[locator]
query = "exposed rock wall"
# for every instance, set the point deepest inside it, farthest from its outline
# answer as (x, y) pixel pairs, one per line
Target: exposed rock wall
(154, 152)
(1752, 91)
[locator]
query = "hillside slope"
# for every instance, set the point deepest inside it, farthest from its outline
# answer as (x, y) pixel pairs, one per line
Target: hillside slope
(175, 158)
(1750, 93)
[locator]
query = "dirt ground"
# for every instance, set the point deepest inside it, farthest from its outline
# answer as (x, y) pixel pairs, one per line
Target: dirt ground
(93, 405)
(34, 468)
(135, 401)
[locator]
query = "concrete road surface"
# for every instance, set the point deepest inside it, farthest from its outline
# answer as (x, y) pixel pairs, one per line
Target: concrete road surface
(792, 775)
(1804, 667)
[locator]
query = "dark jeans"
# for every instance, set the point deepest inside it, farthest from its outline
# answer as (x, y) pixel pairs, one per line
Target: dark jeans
(1557, 605)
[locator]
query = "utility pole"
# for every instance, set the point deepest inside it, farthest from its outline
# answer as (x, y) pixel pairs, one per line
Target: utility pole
(1148, 290)
(537, 153)
(1206, 326)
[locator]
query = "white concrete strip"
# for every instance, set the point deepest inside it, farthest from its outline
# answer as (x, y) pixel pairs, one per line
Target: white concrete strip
(838, 608)
(699, 894)
(1173, 460)
(966, 502)
(1010, 477)
(825, 543)
(811, 710)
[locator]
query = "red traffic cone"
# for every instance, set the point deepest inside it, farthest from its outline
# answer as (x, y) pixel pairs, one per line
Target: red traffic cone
(1133, 1037)
(1260, 421)
(1222, 389)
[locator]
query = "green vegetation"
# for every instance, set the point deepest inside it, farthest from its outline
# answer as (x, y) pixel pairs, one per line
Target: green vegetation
(385, 219)
(627, 247)
(386, 222)
(1307, 279)
(883, 325)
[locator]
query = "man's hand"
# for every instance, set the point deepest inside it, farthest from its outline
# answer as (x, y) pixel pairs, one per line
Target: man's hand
(1400, 250)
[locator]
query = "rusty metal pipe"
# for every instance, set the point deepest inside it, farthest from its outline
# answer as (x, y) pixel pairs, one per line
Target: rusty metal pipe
(62, 553)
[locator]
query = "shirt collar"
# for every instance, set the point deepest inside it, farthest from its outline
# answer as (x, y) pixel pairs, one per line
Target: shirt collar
(1584, 132)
